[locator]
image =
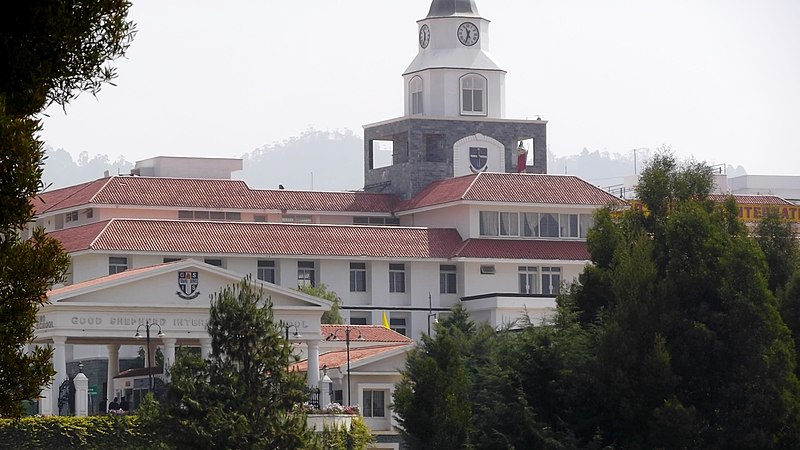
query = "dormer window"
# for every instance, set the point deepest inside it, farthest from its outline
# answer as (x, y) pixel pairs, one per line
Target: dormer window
(415, 90)
(473, 95)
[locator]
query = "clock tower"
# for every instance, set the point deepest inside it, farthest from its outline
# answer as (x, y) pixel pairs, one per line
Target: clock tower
(454, 119)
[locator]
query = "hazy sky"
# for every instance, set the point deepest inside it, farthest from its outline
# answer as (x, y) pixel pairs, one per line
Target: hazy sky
(715, 79)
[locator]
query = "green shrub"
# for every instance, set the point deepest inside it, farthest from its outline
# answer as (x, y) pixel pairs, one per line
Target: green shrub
(57, 433)
(357, 437)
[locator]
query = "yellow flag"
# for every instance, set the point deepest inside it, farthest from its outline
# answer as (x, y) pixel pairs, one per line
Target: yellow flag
(385, 321)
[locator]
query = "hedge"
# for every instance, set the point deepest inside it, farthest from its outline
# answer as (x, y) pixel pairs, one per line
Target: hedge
(58, 433)
(125, 432)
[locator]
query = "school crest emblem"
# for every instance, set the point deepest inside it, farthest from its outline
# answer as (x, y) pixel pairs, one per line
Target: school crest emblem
(188, 282)
(478, 157)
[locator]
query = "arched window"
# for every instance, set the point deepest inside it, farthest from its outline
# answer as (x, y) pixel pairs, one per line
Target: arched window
(415, 90)
(473, 95)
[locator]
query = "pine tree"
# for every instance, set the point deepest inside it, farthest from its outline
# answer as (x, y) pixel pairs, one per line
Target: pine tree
(432, 401)
(244, 396)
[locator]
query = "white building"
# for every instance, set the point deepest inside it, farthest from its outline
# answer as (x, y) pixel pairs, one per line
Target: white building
(451, 220)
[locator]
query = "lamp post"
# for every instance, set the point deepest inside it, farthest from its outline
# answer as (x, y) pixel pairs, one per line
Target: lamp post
(431, 314)
(335, 337)
(296, 330)
(147, 325)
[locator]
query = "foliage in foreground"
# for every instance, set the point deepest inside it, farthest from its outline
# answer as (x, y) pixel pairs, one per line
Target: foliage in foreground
(672, 338)
(50, 52)
(243, 395)
(93, 433)
(111, 432)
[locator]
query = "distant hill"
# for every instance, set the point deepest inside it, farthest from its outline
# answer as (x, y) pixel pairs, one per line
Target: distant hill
(333, 161)
(61, 171)
(330, 160)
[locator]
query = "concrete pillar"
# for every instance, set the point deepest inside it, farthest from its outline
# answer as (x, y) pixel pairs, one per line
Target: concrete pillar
(46, 400)
(313, 363)
(81, 395)
(113, 371)
(169, 355)
(60, 366)
(205, 347)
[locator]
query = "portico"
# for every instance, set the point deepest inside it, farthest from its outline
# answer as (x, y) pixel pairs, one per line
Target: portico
(176, 296)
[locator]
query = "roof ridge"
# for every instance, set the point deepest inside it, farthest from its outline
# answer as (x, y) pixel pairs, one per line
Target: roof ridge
(78, 191)
(91, 244)
(105, 185)
(471, 185)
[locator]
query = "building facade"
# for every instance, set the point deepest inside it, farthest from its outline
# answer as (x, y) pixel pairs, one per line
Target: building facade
(465, 213)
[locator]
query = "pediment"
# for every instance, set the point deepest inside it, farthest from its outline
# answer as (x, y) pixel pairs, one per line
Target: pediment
(186, 283)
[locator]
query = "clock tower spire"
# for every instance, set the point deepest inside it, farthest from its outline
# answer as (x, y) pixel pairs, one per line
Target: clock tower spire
(454, 42)
(454, 120)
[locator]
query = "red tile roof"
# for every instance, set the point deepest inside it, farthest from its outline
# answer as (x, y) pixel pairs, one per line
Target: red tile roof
(523, 249)
(204, 193)
(174, 236)
(338, 358)
(512, 188)
(68, 197)
(369, 333)
(753, 199)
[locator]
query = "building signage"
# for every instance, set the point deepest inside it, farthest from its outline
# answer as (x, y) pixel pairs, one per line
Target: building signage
(42, 323)
(188, 282)
(750, 213)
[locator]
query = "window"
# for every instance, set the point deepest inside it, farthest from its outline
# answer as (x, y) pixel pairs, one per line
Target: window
(358, 277)
(338, 396)
(89, 213)
(569, 225)
(435, 148)
(530, 224)
(216, 262)
(186, 215)
(509, 224)
(374, 404)
(117, 264)
(415, 89)
(296, 218)
(489, 223)
(527, 280)
(305, 273)
(201, 215)
(266, 270)
(358, 319)
(473, 94)
(551, 280)
(587, 222)
(548, 225)
(447, 279)
(233, 216)
(398, 324)
(71, 216)
(216, 215)
(169, 259)
(376, 221)
(259, 218)
(397, 277)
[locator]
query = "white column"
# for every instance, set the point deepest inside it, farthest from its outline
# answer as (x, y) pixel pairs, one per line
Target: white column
(205, 347)
(113, 371)
(169, 354)
(60, 366)
(313, 363)
(81, 395)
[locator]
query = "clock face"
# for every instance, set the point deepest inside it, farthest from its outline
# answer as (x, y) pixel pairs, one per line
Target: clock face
(424, 36)
(468, 33)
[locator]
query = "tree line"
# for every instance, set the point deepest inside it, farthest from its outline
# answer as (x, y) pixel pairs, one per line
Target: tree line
(681, 333)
